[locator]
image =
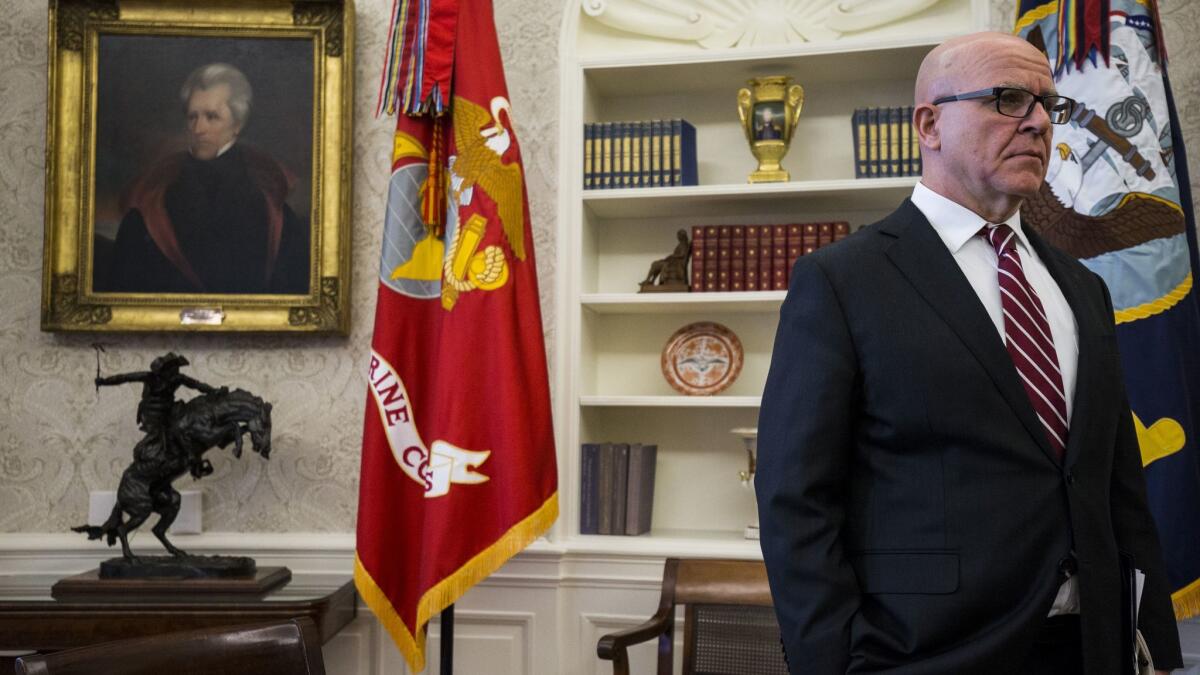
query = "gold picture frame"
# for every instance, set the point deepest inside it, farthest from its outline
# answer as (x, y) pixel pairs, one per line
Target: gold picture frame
(198, 173)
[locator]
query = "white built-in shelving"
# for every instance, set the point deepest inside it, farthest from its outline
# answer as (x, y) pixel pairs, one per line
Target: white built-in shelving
(609, 338)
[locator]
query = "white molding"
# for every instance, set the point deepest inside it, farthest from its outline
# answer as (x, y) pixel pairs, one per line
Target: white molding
(581, 562)
(55, 554)
(566, 338)
(465, 618)
(352, 650)
(774, 52)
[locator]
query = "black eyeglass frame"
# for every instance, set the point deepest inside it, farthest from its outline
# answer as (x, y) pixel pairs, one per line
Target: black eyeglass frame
(996, 92)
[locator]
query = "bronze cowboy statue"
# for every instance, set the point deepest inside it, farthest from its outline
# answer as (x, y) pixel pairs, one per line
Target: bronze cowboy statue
(177, 435)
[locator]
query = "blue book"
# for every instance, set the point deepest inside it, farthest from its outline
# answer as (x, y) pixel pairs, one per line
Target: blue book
(589, 489)
(894, 133)
(657, 157)
(620, 486)
(670, 154)
(619, 145)
(606, 468)
(645, 140)
(605, 174)
(640, 495)
(635, 154)
(872, 142)
(589, 147)
(683, 153)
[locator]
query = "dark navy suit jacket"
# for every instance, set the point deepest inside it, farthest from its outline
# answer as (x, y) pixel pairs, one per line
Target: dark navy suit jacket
(914, 517)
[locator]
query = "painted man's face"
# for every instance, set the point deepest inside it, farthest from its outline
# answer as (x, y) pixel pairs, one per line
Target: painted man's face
(210, 121)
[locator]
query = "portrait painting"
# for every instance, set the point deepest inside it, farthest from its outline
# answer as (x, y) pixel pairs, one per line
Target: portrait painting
(213, 161)
(768, 121)
(203, 165)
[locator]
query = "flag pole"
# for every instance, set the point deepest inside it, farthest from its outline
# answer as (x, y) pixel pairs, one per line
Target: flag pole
(447, 641)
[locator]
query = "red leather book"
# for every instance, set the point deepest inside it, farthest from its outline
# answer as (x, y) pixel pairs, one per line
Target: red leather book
(737, 258)
(795, 243)
(764, 257)
(724, 254)
(779, 258)
(824, 234)
(808, 239)
(711, 233)
(841, 230)
(698, 240)
(752, 257)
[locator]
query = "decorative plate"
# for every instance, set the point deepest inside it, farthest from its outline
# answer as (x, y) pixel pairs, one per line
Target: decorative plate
(702, 358)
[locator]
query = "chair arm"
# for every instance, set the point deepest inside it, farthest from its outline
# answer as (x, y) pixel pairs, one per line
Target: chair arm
(613, 644)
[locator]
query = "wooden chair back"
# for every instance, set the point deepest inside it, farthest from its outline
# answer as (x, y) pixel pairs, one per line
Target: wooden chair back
(729, 621)
(279, 648)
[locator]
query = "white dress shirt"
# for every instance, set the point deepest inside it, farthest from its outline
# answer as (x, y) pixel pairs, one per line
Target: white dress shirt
(958, 227)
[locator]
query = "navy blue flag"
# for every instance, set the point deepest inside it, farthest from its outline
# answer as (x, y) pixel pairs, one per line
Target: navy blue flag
(1117, 197)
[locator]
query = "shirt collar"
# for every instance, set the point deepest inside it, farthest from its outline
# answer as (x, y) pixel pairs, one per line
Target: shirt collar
(223, 150)
(955, 223)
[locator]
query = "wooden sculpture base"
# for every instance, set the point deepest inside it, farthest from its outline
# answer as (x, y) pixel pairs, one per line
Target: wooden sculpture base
(90, 586)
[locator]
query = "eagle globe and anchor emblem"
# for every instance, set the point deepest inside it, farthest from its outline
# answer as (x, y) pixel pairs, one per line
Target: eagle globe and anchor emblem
(415, 260)
(418, 263)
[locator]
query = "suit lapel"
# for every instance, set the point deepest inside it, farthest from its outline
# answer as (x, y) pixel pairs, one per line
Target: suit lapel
(922, 258)
(1072, 286)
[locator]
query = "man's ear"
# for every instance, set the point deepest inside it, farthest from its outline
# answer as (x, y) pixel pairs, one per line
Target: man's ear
(925, 122)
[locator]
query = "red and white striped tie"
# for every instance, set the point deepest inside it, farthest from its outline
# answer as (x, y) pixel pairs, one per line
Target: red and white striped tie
(1027, 337)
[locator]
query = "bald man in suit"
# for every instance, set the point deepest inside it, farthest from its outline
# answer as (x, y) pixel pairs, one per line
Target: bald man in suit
(948, 472)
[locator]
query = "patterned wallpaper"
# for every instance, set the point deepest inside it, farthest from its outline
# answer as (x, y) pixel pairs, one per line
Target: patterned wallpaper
(59, 439)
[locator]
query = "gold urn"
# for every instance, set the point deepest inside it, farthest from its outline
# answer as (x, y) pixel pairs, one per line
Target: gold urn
(769, 109)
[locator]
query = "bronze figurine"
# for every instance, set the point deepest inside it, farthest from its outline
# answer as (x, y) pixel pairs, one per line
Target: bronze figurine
(177, 434)
(670, 274)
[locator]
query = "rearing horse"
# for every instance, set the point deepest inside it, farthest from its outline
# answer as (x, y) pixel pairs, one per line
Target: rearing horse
(204, 422)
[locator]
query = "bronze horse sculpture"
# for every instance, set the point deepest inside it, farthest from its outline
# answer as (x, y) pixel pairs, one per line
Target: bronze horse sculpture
(213, 419)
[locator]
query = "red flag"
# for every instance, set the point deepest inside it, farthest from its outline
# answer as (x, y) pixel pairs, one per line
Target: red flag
(458, 466)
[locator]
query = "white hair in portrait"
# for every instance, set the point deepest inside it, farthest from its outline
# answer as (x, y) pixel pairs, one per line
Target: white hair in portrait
(214, 74)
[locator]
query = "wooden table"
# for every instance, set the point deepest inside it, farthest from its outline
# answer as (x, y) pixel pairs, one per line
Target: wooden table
(30, 620)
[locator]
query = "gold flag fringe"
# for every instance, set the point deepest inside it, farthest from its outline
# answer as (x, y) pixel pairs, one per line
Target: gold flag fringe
(1187, 601)
(412, 642)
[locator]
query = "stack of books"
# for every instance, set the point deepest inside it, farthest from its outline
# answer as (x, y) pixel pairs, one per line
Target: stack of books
(755, 257)
(884, 143)
(617, 488)
(646, 153)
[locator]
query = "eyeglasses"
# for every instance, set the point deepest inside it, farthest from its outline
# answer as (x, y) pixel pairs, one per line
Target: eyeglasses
(1018, 103)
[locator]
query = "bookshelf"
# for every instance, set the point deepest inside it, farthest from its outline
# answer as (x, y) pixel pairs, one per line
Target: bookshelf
(608, 384)
(679, 303)
(671, 401)
(706, 201)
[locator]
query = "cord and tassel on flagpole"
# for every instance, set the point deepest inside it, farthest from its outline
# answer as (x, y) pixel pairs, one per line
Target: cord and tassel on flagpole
(416, 81)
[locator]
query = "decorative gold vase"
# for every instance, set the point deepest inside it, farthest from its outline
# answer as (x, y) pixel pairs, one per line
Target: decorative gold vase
(769, 110)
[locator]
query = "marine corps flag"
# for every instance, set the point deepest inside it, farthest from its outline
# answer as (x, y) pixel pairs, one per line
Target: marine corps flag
(458, 464)
(1117, 197)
